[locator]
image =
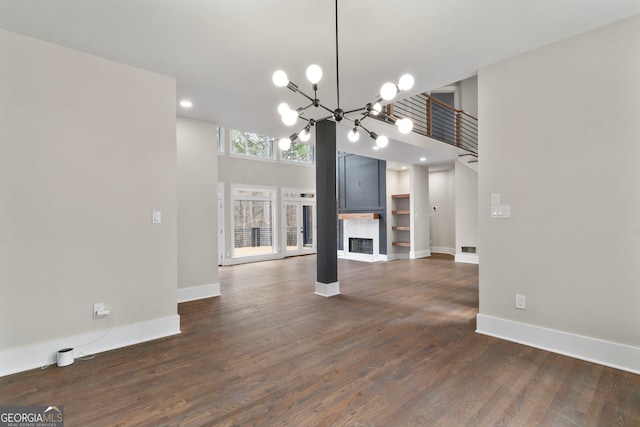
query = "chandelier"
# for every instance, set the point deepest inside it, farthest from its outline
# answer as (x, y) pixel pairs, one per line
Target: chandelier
(290, 116)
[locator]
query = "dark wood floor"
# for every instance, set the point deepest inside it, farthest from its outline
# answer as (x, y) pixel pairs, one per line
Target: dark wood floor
(396, 348)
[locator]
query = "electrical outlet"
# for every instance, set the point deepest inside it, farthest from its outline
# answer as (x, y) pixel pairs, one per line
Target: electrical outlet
(521, 302)
(100, 310)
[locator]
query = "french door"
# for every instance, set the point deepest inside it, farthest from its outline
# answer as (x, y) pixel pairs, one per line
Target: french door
(300, 227)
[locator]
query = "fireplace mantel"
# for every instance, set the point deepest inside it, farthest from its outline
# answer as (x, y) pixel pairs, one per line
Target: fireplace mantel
(362, 215)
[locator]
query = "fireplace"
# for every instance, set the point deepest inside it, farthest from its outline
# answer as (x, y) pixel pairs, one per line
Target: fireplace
(360, 245)
(361, 237)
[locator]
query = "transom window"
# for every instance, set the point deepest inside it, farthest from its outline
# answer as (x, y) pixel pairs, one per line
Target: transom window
(300, 153)
(251, 144)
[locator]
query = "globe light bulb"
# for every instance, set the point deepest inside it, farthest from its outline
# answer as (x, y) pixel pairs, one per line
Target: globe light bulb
(284, 144)
(406, 82)
(377, 109)
(280, 78)
(382, 141)
(314, 73)
(304, 135)
(283, 107)
(404, 125)
(353, 135)
(388, 91)
(290, 117)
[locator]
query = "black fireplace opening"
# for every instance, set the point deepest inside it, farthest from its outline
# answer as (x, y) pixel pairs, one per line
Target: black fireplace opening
(361, 246)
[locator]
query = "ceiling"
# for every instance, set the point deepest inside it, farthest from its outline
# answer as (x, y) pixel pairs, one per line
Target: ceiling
(223, 53)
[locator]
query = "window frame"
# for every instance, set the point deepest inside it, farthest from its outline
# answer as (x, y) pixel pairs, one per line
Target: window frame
(274, 220)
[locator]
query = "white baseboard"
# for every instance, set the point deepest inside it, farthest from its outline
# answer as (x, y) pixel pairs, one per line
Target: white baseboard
(355, 256)
(396, 256)
(327, 289)
(443, 250)
(619, 356)
(198, 292)
(41, 354)
(420, 254)
(467, 258)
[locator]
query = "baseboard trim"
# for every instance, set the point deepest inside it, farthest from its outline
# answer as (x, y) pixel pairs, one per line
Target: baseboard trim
(443, 250)
(34, 356)
(397, 256)
(420, 254)
(467, 258)
(198, 292)
(327, 289)
(614, 355)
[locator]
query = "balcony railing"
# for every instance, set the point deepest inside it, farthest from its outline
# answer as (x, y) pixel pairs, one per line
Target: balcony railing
(435, 119)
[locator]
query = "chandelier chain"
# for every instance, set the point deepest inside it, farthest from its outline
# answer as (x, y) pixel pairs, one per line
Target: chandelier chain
(337, 59)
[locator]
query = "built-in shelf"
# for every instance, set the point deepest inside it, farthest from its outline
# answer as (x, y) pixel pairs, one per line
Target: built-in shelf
(403, 244)
(401, 203)
(365, 215)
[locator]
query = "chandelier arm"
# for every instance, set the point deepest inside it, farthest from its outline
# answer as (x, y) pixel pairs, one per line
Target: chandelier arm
(306, 96)
(302, 109)
(354, 111)
(365, 115)
(365, 129)
(326, 108)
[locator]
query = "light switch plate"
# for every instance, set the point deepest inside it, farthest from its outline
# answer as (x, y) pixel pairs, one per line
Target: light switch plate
(157, 217)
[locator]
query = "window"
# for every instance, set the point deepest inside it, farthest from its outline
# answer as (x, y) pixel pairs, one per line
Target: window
(253, 213)
(299, 152)
(251, 144)
(220, 139)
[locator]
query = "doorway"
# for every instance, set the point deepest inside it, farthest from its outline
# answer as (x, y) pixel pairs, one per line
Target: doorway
(299, 223)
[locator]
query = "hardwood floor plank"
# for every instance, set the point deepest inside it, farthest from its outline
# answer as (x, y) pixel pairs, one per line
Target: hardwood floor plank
(397, 348)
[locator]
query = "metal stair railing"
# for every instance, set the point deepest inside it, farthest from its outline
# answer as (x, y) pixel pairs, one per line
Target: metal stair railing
(438, 120)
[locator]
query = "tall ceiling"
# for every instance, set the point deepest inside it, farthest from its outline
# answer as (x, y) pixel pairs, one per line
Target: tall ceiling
(223, 53)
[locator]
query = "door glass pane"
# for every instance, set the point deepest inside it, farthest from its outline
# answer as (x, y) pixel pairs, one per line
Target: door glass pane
(307, 226)
(292, 227)
(253, 233)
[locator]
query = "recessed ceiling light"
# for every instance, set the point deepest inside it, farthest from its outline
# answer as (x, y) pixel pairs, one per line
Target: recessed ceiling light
(423, 159)
(405, 168)
(375, 147)
(186, 103)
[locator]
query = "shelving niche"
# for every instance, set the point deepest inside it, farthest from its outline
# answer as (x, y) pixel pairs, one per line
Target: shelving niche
(401, 220)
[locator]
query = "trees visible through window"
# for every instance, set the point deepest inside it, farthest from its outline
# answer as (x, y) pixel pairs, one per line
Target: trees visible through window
(251, 144)
(299, 152)
(253, 221)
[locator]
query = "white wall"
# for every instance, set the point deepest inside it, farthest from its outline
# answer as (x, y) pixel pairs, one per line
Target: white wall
(442, 219)
(469, 95)
(568, 166)
(87, 152)
(419, 186)
(466, 215)
(197, 209)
